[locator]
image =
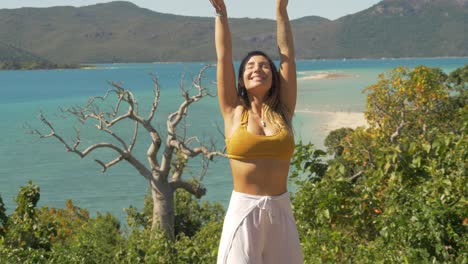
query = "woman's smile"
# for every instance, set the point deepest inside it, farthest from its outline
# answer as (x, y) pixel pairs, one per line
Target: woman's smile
(257, 72)
(257, 78)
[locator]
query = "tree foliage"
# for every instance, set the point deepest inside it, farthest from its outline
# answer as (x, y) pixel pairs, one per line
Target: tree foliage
(334, 139)
(71, 235)
(405, 198)
(38, 65)
(3, 217)
(308, 162)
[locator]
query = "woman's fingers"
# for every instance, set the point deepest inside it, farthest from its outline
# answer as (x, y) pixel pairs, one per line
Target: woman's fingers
(213, 3)
(217, 4)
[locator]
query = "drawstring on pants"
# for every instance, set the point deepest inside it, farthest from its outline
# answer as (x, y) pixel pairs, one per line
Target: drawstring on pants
(264, 204)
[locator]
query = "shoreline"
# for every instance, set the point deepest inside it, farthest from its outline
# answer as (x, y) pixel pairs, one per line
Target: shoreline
(344, 119)
(334, 120)
(38, 65)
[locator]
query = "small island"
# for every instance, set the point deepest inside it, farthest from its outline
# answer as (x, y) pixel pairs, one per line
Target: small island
(39, 65)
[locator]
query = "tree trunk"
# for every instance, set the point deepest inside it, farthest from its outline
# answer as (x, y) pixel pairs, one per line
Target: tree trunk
(163, 208)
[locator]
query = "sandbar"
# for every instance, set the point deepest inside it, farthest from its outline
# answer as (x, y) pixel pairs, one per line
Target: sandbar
(324, 76)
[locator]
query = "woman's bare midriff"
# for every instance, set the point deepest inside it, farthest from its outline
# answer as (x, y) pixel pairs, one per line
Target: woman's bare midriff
(260, 176)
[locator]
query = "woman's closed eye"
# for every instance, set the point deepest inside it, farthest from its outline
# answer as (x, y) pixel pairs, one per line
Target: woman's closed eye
(264, 66)
(250, 66)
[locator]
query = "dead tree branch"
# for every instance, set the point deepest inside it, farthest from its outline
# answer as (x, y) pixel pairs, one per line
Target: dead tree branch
(181, 144)
(355, 176)
(393, 137)
(123, 154)
(198, 190)
(105, 120)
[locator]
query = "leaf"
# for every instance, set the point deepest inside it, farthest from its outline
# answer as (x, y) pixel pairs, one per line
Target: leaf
(412, 148)
(417, 162)
(326, 213)
(387, 166)
(427, 147)
(319, 152)
(341, 169)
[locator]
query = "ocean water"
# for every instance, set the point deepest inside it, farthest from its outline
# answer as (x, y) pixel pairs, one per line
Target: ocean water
(62, 175)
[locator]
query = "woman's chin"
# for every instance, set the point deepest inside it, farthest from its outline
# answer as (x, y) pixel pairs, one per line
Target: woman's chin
(257, 90)
(258, 85)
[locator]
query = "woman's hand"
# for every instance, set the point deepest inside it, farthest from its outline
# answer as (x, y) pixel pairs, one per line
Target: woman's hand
(219, 6)
(280, 4)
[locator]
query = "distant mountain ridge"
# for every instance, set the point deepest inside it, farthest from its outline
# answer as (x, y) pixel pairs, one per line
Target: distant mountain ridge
(407, 28)
(123, 32)
(409, 7)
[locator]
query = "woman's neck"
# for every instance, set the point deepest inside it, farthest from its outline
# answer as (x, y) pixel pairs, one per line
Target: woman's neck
(256, 104)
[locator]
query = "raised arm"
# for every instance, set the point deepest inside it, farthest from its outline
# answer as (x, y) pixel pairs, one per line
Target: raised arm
(287, 70)
(227, 94)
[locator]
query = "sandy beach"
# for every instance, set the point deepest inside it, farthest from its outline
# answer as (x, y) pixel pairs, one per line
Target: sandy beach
(314, 126)
(337, 120)
(324, 76)
(333, 120)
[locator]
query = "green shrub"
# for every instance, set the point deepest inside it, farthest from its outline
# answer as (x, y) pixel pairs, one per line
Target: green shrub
(397, 191)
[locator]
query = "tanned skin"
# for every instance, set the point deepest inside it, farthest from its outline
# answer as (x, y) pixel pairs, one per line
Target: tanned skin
(255, 176)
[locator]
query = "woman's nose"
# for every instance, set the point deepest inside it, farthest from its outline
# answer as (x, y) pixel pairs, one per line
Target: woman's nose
(257, 68)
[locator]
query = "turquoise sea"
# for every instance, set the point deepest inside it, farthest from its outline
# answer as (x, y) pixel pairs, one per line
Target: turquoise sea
(63, 175)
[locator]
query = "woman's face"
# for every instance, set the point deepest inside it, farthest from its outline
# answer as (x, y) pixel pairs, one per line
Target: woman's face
(257, 73)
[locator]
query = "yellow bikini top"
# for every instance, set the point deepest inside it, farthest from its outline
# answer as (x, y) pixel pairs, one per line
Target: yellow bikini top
(243, 145)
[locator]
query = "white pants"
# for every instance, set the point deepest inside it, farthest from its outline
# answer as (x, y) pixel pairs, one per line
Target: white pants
(259, 230)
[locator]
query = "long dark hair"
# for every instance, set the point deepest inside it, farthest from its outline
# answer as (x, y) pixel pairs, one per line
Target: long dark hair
(274, 107)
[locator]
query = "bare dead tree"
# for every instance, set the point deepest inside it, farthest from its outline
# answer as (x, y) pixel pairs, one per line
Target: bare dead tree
(164, 175)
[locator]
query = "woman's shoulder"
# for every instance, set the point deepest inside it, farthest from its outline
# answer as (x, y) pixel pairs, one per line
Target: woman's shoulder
(237, 113)
(239, 109)
(234, 120)
(234, 113)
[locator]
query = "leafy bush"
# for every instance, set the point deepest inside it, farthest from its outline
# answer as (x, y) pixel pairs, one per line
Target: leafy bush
(70, 235)
(198, 230)
(397, 191)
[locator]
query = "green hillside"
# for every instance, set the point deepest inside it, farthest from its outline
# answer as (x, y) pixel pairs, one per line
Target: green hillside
(124, 32)
(9, 52)
(406, 28)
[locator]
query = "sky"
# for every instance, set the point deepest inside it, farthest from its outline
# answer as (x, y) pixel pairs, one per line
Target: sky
(331, 9)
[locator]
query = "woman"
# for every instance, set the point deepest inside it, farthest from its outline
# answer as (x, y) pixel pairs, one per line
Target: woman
(259, 226)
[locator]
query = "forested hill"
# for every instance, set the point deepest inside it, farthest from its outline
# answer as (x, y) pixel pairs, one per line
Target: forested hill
(124, 32)
(9, 52)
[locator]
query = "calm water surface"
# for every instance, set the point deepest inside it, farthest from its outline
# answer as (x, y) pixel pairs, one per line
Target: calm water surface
(62, 175)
